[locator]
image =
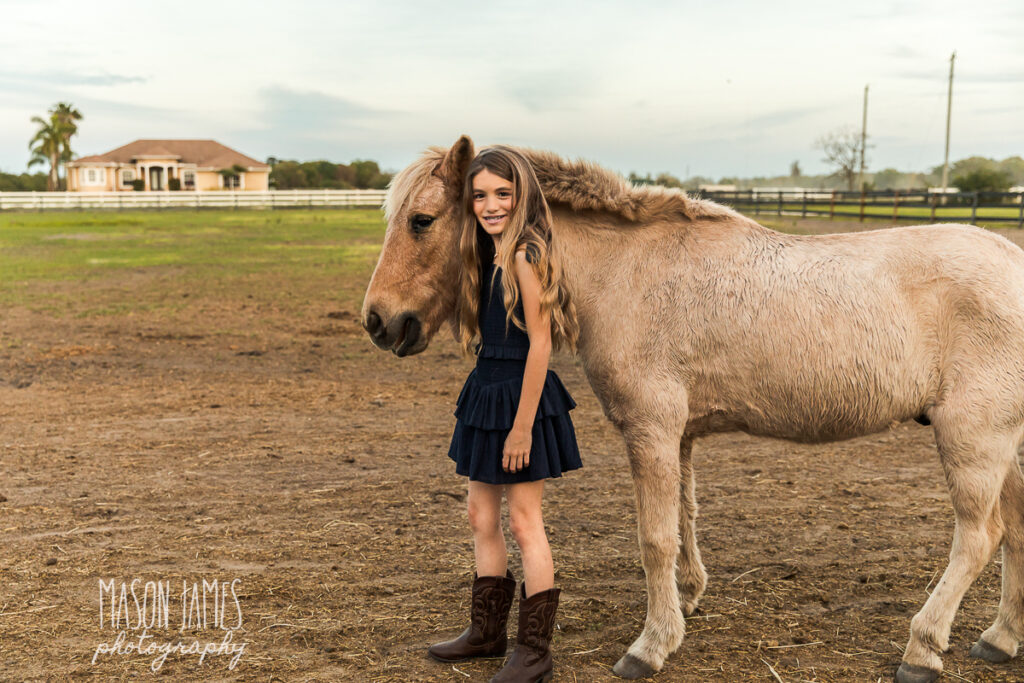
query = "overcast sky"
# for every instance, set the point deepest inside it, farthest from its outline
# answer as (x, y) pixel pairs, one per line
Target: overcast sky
(724, 88)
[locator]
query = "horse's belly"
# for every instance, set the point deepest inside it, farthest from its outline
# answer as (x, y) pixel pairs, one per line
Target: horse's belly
(821, 428)
(818, 408)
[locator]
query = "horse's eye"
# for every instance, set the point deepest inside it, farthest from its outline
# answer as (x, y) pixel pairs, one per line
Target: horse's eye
(420, 222)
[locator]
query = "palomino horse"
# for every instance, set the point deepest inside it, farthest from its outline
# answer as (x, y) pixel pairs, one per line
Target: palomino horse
(694, 319)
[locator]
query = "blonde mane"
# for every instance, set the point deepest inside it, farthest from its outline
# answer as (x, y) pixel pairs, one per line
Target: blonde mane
(581, 185)
(584, 185)
(411, 181)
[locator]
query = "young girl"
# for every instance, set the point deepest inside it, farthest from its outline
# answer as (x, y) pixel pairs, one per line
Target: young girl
(513, 429)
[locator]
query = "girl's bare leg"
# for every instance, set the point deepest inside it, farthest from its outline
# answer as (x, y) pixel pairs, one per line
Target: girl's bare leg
(484, 506)
(527, 525)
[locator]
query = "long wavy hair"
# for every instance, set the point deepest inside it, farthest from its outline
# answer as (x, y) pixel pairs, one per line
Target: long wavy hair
(529, 227)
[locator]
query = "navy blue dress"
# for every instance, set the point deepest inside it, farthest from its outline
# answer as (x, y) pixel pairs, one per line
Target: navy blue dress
(487, 404)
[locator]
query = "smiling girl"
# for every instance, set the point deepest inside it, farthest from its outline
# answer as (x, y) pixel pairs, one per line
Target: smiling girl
(513, 429)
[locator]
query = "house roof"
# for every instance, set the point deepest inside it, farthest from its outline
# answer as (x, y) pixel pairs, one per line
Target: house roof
(202, 153)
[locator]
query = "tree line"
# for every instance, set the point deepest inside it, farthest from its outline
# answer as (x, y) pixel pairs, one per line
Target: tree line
(284, 175)
(361, 174)
(972, 174)
(969, 175)
(22, 182)
(845, 151)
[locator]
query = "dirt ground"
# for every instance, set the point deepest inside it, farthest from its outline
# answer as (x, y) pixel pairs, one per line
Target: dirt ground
(280, 448)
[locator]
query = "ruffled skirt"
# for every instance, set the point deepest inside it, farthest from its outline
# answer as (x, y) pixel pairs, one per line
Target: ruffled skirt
(485, 411)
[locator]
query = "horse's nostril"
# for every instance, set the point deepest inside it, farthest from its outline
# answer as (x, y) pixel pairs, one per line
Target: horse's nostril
(372, 324)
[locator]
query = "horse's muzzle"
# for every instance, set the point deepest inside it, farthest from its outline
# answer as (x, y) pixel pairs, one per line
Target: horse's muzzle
(402, 335)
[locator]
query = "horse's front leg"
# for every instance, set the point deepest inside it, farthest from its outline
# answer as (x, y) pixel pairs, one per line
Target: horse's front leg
(654, 451)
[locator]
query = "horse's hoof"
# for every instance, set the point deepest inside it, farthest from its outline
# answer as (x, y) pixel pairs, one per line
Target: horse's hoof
(990, 653)
(908, 673)
(632, 667)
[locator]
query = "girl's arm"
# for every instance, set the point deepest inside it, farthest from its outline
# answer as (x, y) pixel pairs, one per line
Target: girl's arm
(538, 328)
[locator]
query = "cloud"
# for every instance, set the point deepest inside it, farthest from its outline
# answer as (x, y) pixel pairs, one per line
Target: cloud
(1015, 76)
(998, 110)
(903, 52)
(781, 118)
(312, 114)
(551, 90)
(733, 128)
(309, 124)
(888, 11)
(66, 78)
(101, 79)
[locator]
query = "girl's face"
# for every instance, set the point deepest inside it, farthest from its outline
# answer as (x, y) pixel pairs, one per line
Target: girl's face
(492, 201)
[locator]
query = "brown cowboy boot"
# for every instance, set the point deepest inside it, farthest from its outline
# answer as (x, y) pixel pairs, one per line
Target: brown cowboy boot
(486, 635)
(531, 660)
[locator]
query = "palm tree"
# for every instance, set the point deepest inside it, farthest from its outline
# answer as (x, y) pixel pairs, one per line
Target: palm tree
(45, 146)
(66, 116)
(52, 142)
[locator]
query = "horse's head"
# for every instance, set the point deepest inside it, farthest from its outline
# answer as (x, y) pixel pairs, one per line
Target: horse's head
(414, 287)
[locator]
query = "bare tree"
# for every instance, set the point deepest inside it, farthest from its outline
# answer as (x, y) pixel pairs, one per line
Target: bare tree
(842, 151)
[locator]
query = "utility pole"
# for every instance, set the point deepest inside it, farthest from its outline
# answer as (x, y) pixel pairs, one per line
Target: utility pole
(949, 113)
(863, 140)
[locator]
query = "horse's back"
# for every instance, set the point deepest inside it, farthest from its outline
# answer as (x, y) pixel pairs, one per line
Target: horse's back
(954, 274)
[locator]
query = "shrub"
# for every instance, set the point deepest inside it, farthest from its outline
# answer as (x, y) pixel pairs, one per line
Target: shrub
(138, 184)
(174, 184)
(982, 180)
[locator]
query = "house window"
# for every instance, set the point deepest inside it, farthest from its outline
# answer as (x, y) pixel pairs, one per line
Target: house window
(188, 180)
(93, 177)
(231, 182)
(127, 177)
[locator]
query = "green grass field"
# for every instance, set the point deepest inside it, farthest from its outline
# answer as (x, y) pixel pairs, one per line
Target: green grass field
(186, 252)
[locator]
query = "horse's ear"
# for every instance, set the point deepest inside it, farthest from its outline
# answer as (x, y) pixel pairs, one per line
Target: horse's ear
(452, 168)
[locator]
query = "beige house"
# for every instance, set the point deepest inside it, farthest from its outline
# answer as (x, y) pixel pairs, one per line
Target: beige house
(196, 164)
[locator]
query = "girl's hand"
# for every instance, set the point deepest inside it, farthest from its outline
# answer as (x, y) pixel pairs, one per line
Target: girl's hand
(517, 450)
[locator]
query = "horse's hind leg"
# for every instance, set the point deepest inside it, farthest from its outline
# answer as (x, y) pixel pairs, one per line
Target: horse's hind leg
(999, 642)
(975, 465)
(692, 577)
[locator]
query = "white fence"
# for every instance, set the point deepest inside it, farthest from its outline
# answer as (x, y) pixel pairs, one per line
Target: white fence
(239, 199)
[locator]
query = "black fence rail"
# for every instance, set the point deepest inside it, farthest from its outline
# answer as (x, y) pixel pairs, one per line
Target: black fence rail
(912, 205)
